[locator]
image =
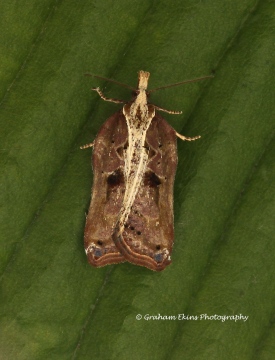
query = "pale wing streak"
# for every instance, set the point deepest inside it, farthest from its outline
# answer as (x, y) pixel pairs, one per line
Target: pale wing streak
(132, 185)
(135, 157)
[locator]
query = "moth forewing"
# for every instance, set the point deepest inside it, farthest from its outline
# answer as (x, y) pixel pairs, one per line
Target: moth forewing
(147, 237)
(107, 192)
(140, 233)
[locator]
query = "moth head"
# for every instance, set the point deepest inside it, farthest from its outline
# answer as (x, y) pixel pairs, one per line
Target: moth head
(143, 78)
(135, 93)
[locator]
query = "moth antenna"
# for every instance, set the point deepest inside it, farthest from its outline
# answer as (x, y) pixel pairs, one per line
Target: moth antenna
(111, 80)
(182, 82)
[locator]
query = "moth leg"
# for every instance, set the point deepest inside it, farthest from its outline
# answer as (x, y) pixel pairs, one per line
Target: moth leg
(182, 137)
(168, 111)
(86, 146)
(107, 99)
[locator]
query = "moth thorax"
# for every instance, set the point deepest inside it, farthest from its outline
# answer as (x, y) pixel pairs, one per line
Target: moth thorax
(143, 77)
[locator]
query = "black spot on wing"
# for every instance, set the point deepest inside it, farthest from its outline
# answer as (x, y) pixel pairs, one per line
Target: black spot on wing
(116, 178)
(151, 179)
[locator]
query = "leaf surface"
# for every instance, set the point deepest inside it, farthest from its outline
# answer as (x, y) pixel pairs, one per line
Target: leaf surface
(53, 304)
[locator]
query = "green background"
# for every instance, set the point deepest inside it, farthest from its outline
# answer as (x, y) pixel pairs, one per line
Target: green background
(53, 305)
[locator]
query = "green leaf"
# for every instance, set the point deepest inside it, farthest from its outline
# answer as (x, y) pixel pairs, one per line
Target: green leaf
(53, 304)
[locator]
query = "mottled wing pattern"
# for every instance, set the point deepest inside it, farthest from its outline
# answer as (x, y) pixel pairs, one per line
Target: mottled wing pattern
(107, 192)
(148, 235)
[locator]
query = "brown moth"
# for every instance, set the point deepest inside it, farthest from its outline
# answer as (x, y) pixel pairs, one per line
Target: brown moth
(134, 161)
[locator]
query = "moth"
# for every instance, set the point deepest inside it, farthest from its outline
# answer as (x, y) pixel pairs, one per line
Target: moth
(134, 161)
